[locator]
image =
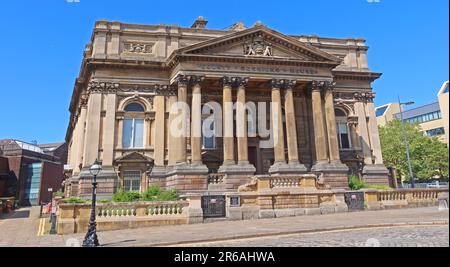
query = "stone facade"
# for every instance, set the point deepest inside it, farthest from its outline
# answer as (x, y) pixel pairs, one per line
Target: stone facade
(132, 75)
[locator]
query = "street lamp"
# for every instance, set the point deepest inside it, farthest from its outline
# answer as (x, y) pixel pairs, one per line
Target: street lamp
(90, 240)
(405, 140)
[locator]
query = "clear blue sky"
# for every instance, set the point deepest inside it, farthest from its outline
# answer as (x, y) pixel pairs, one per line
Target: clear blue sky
(42, 43)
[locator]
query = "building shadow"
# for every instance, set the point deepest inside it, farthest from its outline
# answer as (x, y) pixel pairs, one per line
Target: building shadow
(18, 214)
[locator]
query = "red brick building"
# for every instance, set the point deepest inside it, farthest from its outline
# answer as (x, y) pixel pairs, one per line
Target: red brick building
(28, 171)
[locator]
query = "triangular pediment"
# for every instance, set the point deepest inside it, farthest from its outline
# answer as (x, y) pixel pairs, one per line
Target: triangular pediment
(259, 42)
(134, 157)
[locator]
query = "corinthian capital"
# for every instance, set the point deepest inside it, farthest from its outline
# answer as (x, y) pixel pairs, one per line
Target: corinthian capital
(322, 85)
(96, 86)
(196, 80)
(282, 84)
(364, 97)
(234, 81)
(182, 80)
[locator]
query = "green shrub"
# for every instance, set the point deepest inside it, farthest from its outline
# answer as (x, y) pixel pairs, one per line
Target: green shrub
(59, 193)
(104, 200)
(381, 187)
(154, 193)
(74, 200)
(355, 183)
(170, 195)
(122, 196)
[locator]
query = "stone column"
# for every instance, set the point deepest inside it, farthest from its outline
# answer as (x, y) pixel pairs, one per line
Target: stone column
(291, 131)
(180, 146)
(196, 122)
(91, 144)
(333, 144)
(353, 126)
(228, 123)
(363, 132)
(80, 135)
(319, 125)
(291, 125)
(374, 171)
(160, 118)
(172, 139)
(241, 123)
(109, 130)
(374, 134)
(278, 122)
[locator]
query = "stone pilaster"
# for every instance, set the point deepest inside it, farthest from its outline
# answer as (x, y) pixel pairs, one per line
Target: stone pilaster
(80, 136)
(159, 146)
(91, 144)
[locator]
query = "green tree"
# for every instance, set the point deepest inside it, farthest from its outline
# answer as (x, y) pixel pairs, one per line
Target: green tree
(429, 156)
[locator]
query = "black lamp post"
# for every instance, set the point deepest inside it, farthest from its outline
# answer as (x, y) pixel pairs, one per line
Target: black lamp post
(405, 141)
(91, 240)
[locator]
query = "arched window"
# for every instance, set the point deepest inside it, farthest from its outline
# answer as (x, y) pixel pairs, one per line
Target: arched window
(342, 129)
(133, 126)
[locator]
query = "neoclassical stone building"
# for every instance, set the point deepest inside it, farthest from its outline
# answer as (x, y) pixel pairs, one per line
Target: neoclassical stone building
(131, 75)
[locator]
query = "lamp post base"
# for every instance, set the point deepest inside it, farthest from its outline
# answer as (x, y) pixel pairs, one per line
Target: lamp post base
(91, 240)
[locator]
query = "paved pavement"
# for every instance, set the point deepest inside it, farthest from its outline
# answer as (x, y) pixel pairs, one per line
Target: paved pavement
(23, 228)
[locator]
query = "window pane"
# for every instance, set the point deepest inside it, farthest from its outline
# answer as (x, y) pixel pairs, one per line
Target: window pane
(345, 141)
(342, 128)
(134, 107)
(132, 181)
(139, 133)
(127, 133)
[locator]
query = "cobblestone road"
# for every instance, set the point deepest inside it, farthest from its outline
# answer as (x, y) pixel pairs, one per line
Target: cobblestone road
(417, 236)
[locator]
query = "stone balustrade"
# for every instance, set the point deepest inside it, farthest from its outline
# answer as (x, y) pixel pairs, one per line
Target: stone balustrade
(286, 182)
(266, 197)
(216, 178)
(403, 198)
(74, 218)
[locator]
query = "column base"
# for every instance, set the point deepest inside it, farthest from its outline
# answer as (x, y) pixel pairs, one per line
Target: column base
(187, 169)
(280, 168)
(237, 174)
(334, 174)
(240, 168)
(376, 174)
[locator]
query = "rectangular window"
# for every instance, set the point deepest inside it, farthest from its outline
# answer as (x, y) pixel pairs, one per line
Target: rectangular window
(435, 132)
(132, 181)
(133, 133)
(343, 135)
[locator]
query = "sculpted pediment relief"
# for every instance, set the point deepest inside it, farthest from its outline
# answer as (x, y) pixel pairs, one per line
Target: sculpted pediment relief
(259, 42)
